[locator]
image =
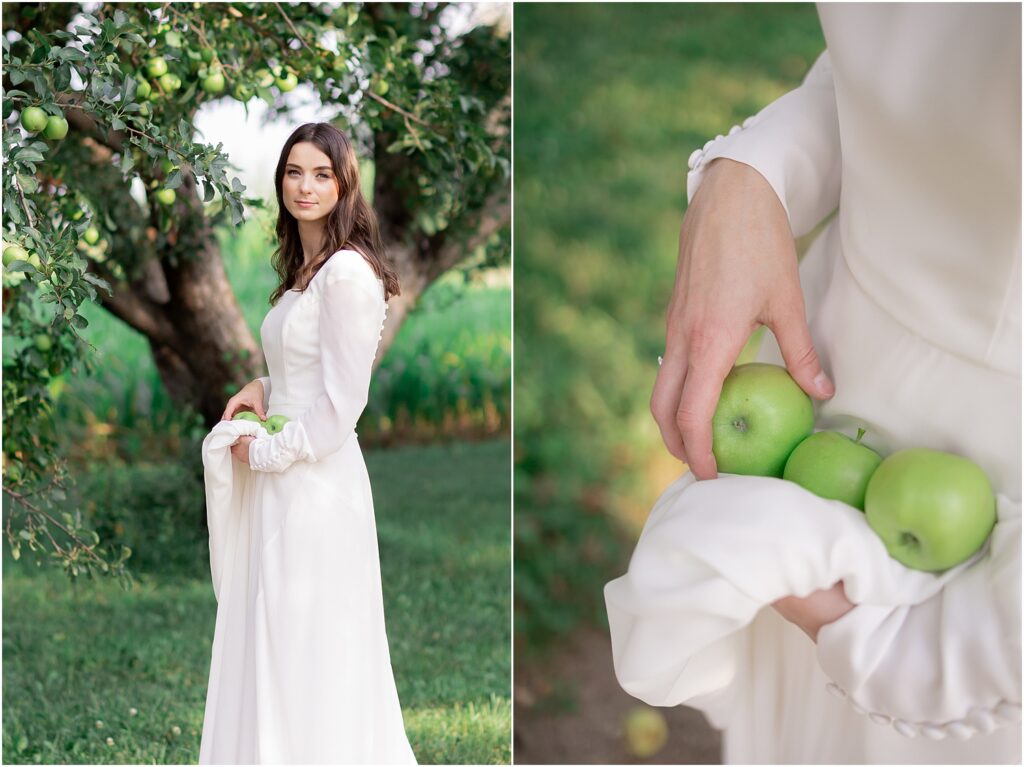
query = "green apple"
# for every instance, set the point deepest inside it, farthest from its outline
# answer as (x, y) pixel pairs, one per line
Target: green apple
(56, 128)
(933, 510)
(762, 415)
(264, 78)
(91, 235)
(156, 67)
(214, 83)
(143, 90)
(206, 55)
(242, 92)
(43, 342)
(170, 82)
(287, 83)
(646, 732)
(144, 110)
(275, 423)
(165, 196)
(33, 119)
(831, 465)
(14, 253)
(246, 415)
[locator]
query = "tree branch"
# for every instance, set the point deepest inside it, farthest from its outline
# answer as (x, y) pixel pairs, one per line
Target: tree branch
(139, 312)
(82, 122)
(495, 214)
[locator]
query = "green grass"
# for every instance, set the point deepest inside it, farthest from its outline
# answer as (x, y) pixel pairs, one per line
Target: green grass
(78, 655)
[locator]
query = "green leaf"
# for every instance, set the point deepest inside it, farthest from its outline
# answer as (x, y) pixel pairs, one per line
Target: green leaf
(28, 154)
(117, 124)
(62, 77)
(70, 54)
(174, 180)
(28, 183)
(17, 76)
(79, 322)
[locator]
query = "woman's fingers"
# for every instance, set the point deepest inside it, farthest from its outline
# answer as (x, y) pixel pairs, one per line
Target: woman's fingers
(229, 410)
(798, 351)
(705, 374)
(668, 388)
(234, 406)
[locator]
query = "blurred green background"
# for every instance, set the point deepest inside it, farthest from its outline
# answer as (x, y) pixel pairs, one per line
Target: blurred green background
(610, 100)
(80, 658)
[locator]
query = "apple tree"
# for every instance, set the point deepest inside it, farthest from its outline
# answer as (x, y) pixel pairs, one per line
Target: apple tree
(110, 197)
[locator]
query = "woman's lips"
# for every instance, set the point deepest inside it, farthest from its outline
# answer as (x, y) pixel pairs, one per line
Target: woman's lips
(304, 204)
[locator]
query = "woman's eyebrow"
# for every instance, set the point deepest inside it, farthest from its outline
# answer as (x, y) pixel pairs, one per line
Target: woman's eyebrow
(299, 167)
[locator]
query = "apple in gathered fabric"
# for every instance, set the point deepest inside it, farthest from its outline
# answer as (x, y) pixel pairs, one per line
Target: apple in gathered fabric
(933, 510)
(275, 423)
(762, 415)
(831, 465)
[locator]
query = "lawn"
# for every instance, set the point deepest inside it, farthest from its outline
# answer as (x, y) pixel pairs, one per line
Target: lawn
(93, 674)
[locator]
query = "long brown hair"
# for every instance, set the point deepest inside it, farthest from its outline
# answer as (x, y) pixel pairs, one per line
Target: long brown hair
(351, 224)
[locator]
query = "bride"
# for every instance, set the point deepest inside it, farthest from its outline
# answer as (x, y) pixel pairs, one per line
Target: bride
(301, 671)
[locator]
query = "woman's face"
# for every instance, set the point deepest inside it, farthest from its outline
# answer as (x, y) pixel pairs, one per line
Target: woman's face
(309, 188)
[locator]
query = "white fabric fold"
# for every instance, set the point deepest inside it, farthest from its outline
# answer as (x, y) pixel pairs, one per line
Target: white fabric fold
(713, 554)
(225, 480)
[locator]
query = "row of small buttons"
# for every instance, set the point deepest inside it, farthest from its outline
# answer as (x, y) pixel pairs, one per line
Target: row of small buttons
(697, 156)
(978, 720)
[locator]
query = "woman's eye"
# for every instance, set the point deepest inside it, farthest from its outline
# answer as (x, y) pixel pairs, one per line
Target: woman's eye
(323, 175)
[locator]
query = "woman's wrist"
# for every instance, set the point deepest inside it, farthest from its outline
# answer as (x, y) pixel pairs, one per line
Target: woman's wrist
(816, 610)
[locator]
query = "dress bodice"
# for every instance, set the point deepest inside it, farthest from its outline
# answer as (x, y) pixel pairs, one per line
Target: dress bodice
(320, 345)
(291, 343)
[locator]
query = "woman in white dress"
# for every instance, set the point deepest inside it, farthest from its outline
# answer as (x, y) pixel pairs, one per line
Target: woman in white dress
(301, 671)
(905, 319)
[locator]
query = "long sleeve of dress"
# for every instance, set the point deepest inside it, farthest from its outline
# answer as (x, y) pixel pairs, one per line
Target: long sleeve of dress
(351, 317)
(950, 665)
(265, 380)
(794, 143)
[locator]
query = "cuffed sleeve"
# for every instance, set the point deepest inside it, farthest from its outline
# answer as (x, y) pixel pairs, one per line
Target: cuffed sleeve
(794, 143)
(948, 666)
(352, 312)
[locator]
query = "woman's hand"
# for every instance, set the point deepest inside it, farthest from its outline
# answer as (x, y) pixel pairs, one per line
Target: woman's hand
(240, 450)
(737, 270)
(249, 397)
(815, 610)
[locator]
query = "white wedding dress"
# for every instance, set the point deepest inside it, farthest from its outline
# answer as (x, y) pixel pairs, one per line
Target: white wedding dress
(300, 671)
(909, 124)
